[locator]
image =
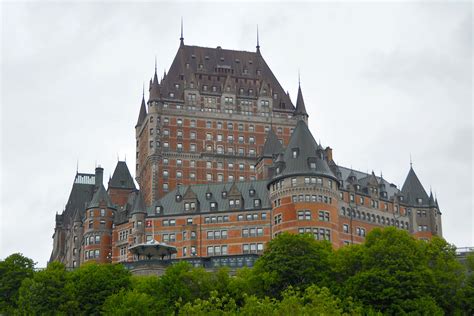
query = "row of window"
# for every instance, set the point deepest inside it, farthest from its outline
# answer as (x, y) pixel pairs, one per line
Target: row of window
(422, 228)
(210, 164)
(373, 203)
(92, 240)
(318, 233)
(209, 178)
(375, 218)
(217, 234)
(252, 248)
(91, 254)
(360, 231)
(311, 198)
(91, 223)
(216, 219)
(102, 212)
(217, 250)
(250, 217)
(252, 232)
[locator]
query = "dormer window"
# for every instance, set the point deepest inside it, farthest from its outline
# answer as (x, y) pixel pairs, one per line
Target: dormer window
(295, 152)
(171, 95)
(208, 195)
(224, 194)
(213, 206)
(419, 200)
(214, 88)
(158, 209)
(179, 198)
(256, 203)
(312, 165)
(252, 192)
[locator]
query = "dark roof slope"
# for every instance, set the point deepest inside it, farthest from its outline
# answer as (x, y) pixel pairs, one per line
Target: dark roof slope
(142, 114)
(81, 193)
(171, 206)
(272, 145)
(212, 66)
(99, 196)
(300, 107)
(303, 142)
(122, 179)
(138, 204)
(412, 189)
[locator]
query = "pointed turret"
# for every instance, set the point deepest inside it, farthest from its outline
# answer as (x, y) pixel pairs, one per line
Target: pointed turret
(300, 109)
(138, 204)
(101, 196)
(154, 88)
(258, 42)
(301, 156)
(272, 145)
(413, 190)
(431, 200)
(142, 114)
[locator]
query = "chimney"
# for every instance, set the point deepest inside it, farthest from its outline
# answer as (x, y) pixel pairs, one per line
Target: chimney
(99, 176)
(329, 153)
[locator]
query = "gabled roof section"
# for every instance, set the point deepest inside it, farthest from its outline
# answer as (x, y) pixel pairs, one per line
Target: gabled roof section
(246, 69)
(122, 179)
(412, 189)
(171, 206)
(300, 107)
(272, 145)
(300, 152)
(100, 196)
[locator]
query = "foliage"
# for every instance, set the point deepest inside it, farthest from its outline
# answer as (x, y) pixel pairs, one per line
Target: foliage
(391, 273)
(92, 283)
(44, 293)
(13, 270)
(292, 260)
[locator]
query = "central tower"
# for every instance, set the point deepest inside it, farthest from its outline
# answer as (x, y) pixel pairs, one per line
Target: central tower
(207, 119)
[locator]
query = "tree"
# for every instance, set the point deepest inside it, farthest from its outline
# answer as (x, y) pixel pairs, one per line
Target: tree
(391, 272)
(13, 270)
(130, 302)
(44, 293)
(292, 260)
(92, 283)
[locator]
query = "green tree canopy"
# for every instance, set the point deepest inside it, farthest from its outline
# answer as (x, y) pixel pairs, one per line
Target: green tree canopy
(292, 260)
(13, 270)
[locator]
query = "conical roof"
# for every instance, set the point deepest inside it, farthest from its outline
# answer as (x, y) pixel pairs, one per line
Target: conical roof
(272, 145)
(142, 114)
(99, 196)
(302, 142)
(138, 204)
(300, 107)
(154, 89)
(122, 179)
(412, 189)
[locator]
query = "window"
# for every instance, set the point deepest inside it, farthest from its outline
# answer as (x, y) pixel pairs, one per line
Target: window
(193, 123)
(208, 124)
(277, 219)
(295, 152)
(345, 228)
(192, 135)
(293, 182)
(192, 147)
(323, 216)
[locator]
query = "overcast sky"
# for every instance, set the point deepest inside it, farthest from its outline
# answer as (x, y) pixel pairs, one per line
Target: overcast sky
(381, 81)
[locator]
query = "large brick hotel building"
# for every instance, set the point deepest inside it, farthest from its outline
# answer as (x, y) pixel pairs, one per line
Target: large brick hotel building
(225, 162)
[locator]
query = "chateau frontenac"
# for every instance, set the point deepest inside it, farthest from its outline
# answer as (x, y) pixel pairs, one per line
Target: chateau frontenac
(224, 163)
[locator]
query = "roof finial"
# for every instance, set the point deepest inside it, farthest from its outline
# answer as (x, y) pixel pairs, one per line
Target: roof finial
(155, 64)
(299, 78)
(77, 166)
(258, 41)
(411, 162)
(143, 90)
(181, 38)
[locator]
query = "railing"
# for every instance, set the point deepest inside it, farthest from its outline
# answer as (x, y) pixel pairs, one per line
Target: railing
(464, 251)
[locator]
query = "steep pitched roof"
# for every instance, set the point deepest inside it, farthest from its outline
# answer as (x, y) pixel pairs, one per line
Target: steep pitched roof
(154, 89)
(272, 145)
(101, 195)
(138, 204)
(122, 179)
(302, 141)
(81, 193)
(247, 68)
(142, 114)
(171, 206)
(412, 189)
(300, 107)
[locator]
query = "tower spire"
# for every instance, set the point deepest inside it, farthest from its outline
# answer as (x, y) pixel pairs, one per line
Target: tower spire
(181, 39)
(258, 41)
